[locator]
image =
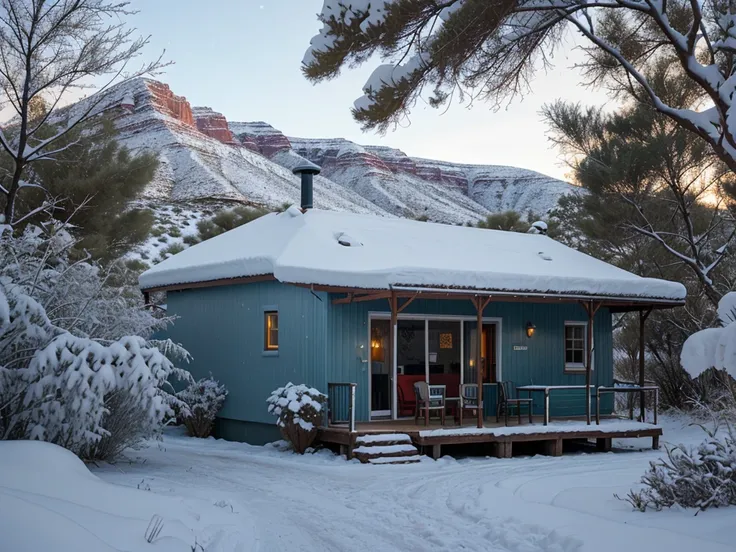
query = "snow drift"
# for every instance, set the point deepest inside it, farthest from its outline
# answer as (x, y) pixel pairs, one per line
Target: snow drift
(50, 501)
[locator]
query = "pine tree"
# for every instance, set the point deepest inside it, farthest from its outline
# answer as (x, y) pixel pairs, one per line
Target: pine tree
(49, 49)
(93, 180)
(490, 49)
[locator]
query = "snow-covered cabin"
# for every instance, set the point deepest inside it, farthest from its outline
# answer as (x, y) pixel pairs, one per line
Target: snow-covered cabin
(310, 296)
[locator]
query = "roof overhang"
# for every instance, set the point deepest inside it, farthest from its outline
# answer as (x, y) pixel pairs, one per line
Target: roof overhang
(354, 294)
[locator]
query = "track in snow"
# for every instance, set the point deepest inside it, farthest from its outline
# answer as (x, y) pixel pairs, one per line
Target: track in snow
(321, 502)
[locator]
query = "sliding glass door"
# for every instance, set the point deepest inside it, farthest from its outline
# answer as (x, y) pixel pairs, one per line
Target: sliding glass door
(435, 350)
(444, 345)
(381, 378)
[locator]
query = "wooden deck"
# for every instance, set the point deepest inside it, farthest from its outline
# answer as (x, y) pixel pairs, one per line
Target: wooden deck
(499, 437)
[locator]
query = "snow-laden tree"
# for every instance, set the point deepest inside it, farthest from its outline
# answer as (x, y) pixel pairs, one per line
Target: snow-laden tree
(50, 51)
(491, 49)
(76, 367)
(714, 347)
(649, 181)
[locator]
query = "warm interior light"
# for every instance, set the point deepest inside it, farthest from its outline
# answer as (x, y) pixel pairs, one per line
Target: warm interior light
(375, 344)
(530, 329)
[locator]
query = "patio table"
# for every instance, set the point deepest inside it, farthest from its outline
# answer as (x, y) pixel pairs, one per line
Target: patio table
(454, 404)
(546, 389)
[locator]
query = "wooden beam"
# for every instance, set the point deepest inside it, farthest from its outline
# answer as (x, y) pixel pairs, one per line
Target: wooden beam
(408, 302)
(393, 303)
(643, 315)
(591, 308)
(352, 298)
(480, 305)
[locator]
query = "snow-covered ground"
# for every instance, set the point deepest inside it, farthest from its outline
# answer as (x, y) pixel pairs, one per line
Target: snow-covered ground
(236, 497)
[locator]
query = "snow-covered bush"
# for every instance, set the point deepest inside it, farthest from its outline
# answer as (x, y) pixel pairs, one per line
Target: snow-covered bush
(701, 478)
(299, 411)
(67, 370)
(714, 347)
(204, 400)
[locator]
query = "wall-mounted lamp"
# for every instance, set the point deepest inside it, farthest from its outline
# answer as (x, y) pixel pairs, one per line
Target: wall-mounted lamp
(530, 328)
(360, 352)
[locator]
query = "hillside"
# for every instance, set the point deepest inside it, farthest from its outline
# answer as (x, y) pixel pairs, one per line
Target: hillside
(205, 158)
(207, 162)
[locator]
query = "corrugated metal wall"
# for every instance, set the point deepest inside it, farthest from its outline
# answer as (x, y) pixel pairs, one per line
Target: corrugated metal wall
(222, 327)
(541, 363)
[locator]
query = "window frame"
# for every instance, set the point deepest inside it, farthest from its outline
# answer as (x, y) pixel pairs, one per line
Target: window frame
(270, 349)
(577, 367)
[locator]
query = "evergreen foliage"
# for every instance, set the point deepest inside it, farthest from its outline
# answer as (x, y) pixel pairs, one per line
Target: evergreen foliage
(93, 181)
(226, 220)
(490, 49)
(655, 207)
(512, 221)
(49, 50)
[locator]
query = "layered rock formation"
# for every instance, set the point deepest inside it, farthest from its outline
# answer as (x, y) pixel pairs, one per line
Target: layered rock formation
(205, 158)
(213, 124)
(169, 103)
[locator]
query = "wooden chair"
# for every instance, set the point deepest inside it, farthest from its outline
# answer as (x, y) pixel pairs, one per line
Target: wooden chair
(429, 397)
(468, 399)
(406, 407)
(506, 403)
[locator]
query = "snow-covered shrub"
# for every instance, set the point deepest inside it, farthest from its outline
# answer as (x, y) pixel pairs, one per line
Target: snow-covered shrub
(701, 478)
(204, 400)
(299, 411)
(66, 369)
(714, 347)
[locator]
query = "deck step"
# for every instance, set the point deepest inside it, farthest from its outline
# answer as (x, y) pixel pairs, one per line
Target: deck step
(415, 459)
(383, 439)
(385, 448)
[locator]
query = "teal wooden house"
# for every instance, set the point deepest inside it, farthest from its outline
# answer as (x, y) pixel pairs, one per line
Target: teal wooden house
(320, 297)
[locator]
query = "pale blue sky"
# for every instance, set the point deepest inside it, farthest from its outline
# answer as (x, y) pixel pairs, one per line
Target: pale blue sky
(242, 58)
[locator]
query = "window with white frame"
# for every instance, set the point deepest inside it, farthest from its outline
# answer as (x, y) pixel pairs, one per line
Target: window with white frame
(575, 345)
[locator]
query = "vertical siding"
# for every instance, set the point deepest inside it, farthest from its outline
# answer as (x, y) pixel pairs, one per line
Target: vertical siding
(222, 328)
(542, 362)
(347, 328)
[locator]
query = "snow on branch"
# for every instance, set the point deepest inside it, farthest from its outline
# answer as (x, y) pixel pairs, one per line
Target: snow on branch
(713, 347)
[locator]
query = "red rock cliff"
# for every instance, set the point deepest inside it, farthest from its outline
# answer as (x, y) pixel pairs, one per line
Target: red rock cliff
(169, 103)
(213, 124)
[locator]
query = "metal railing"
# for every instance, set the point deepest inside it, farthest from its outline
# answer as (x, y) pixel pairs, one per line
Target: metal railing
(627, 389)
(341, 404)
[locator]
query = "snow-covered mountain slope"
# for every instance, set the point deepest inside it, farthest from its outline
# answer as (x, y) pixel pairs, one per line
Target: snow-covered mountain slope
(206, 159)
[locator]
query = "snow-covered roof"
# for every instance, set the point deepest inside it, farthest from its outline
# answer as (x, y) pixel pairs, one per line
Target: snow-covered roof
(363, 251)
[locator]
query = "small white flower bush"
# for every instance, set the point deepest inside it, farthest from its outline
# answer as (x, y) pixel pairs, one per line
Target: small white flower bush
(701, 478)
(204, 399)
(299, 410)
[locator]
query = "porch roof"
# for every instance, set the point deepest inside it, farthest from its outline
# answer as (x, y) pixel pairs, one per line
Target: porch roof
(350, 251)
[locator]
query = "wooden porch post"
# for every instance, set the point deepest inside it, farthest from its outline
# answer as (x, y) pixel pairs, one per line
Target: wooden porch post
(591, 310)
(642, 353)
(480, 306)
(392, 352)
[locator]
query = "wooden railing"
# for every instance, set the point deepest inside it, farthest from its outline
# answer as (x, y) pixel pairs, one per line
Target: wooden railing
(341, 404)
(627, 389)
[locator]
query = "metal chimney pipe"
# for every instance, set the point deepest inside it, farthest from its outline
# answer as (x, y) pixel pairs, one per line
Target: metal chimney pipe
(307, 171)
